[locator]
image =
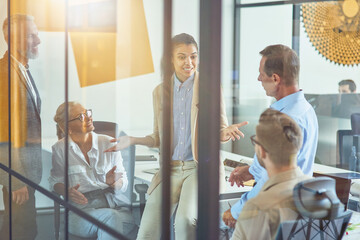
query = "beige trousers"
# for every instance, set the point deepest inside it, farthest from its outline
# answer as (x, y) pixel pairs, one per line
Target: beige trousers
(184, 190)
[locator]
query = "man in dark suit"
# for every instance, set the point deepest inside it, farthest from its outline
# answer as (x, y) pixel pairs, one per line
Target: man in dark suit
(25, 125)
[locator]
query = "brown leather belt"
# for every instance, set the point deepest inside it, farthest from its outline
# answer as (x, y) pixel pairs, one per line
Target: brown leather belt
(175, 163)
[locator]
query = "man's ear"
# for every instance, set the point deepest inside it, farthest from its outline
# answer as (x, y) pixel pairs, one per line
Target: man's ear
(262, 152)
(276, 79)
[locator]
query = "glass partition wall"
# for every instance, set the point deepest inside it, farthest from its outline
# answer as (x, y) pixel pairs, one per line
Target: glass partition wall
(77, 74)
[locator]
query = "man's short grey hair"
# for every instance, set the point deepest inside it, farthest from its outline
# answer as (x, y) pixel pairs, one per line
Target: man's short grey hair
(14, 20)
(282, 61)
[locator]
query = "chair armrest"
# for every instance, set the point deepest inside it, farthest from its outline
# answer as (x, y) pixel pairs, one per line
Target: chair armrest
(141, 188)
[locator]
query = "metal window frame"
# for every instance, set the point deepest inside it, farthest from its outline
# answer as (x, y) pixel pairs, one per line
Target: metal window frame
(166, 141)
(209, 119)
(9, 119)
(277, 3)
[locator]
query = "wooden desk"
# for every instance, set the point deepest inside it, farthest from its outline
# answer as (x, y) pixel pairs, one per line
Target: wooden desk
(342, 187)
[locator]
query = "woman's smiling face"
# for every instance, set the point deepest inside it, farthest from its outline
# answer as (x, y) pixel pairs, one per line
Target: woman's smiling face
(185, 60)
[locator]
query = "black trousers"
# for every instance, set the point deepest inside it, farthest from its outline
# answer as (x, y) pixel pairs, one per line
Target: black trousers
(23, 222)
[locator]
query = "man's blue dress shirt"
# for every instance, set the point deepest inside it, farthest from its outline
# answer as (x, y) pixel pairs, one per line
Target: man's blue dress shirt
(297, 107)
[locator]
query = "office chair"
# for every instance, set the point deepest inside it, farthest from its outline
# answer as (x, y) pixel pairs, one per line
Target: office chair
(344, 145)
(321, 214)
(128, 155)
(344, 142)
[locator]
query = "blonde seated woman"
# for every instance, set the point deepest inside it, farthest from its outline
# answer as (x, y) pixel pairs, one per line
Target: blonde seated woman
(97, 180)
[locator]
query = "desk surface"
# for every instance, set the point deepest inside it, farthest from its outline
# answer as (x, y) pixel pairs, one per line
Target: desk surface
(144, 177)
(354, 233)
(147, 177)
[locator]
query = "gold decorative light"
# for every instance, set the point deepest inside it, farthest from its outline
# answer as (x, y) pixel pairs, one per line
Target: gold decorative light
(333, 29)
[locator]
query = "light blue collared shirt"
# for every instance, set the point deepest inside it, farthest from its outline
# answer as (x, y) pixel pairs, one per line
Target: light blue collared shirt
(182, 99)
(297, 107)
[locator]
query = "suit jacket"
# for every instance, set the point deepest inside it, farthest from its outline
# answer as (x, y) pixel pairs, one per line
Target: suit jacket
(25, 125)
(157, 133)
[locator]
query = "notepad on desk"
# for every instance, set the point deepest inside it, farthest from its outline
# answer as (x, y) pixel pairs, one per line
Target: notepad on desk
(230, 164)
(234, 164)
(249, 183)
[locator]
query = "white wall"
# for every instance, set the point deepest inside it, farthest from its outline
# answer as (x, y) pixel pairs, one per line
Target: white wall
(319, 75)
(263, 26)
(260, 27)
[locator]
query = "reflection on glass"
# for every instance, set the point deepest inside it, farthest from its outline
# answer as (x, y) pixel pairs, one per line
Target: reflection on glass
(97, 180)
(25, 124)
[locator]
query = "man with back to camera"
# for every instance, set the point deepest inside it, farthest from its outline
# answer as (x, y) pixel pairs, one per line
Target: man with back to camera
(279, 76)
(25, 126)
(277, 141)
(347, 86)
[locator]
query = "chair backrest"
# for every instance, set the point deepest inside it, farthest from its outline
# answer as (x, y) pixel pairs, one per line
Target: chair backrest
(106, 128)
(344, 142)
(316, 198)
(128, 154)
(321, 214)
(346, 139)
(342, 184)
(355, 123)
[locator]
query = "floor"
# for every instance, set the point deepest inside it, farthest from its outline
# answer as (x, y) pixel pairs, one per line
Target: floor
(45, 222)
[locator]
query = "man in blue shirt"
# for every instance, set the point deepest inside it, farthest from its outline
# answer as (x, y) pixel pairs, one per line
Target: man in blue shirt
(279, 76)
